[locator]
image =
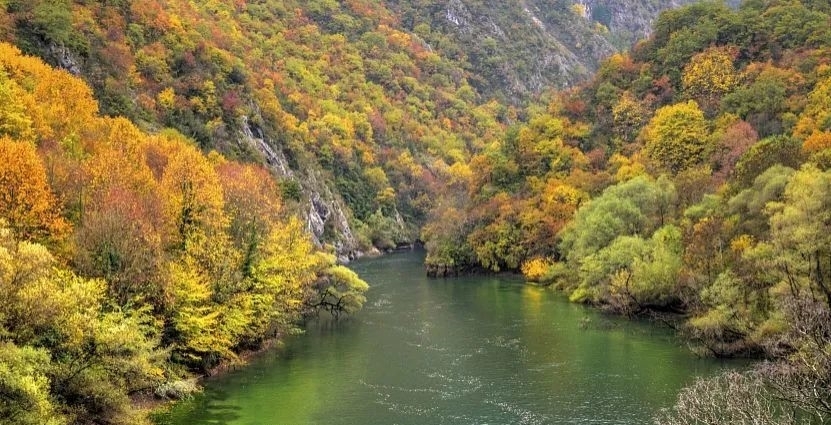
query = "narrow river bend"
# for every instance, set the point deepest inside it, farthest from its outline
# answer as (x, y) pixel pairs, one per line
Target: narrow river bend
(478, 350)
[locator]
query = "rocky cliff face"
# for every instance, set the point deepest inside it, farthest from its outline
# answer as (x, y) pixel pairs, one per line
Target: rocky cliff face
(627, 21)
(518, 49)
(324, 212)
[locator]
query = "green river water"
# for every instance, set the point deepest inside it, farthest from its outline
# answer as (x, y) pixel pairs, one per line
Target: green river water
(477, 350)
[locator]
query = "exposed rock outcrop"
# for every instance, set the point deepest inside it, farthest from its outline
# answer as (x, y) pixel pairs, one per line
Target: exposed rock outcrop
(325, 214)
(518, 49)
(64, 58)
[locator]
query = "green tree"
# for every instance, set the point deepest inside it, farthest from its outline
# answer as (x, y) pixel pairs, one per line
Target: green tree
(762, 101)
(25, 397)
(635, 207)
(768, 152)
(750, 204)
(339, 291)
(633, 274)
(99, 355)
(801, 234)
(50, 19)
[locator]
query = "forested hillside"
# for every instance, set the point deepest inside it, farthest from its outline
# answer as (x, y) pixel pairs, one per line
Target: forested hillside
(690, 176)
(151, 188)
(129, 261)
(361, 107)
(360, 119)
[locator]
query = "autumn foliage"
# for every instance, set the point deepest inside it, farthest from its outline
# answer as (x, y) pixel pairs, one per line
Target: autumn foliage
(128, 259)
(26, 200)
(684, 178)
(337, 88)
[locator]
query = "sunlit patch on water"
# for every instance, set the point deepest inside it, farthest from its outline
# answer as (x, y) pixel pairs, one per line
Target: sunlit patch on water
(407, 409)
(546, 366)
(386, 390)
(522, 415)
(381, 303)
(444, 385)
(462, 358)
(430, 347)
(512, 344)
(456, 386)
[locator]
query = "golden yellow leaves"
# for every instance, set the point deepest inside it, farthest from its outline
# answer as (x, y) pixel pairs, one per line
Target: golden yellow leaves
(676, 137)
(166, 98)
(26, 201)
(710, 75)
(536, 268)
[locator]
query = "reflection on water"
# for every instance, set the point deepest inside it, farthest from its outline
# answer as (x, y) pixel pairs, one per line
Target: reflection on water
(479, 350)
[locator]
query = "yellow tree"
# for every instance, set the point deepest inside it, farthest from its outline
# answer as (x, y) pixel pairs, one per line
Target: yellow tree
(710, 75)
(196, 333)
(817, 113)
(14, 119)
(552, 206)
(282, 278)
(817, 142)
(26, 202)
(340, 290)
(677, 138)
(253, 206)
(118, 236)
(192, 194)
(63, 104)
(629, 115)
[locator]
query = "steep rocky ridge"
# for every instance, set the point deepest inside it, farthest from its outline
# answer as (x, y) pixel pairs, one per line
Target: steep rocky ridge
(515, 50)
(319, 206)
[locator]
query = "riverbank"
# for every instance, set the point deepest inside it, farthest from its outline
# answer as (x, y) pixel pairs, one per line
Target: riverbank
(476, 349)
(153, 405)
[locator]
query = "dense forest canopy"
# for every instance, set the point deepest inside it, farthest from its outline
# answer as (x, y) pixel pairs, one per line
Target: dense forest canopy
(689, 176)
(688, 140)
(347, 107)
(362, 106)
(130, 260)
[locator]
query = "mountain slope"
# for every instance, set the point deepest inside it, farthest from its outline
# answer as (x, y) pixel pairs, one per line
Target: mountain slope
(129, 260)
(358, 117)
(361, 118)
(515, 50)
(672, 181)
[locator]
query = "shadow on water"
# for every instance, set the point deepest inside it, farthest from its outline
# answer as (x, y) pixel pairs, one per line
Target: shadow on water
(211, 407)
(220, 414)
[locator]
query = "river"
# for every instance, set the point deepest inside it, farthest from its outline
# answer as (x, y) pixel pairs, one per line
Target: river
(477, 350)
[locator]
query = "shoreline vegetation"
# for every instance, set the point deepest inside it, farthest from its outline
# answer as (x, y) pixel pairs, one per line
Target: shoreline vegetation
(691, 176)
(153, 405)
(131, 262)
